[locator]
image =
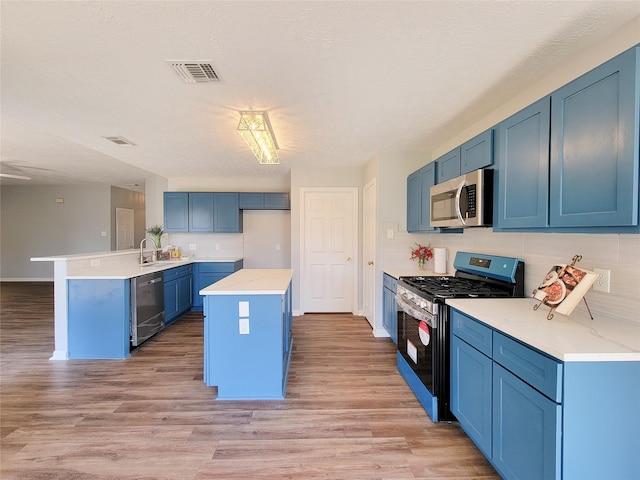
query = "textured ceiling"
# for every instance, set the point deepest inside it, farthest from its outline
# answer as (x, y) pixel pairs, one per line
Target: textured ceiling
(341, 80)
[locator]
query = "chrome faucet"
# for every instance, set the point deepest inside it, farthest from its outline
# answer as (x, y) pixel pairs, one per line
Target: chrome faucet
(153, 255)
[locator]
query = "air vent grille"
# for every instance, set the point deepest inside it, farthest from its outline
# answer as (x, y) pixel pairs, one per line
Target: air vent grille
(120, 140)
(198, 71)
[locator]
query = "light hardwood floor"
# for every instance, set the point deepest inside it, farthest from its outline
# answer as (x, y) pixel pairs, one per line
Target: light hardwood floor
(348, 413)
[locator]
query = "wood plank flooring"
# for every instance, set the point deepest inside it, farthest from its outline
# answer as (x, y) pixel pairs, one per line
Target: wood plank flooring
(348, 413)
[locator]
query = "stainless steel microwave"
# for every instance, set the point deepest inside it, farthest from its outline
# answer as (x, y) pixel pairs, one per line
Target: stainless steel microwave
(464, 201)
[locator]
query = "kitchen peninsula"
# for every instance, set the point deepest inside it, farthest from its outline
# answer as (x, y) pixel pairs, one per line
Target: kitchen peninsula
(247, 334)
(92, 295)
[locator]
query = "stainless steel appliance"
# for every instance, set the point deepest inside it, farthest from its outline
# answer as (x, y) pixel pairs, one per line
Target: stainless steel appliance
(147, 306)
(423, 324)
(464, 201)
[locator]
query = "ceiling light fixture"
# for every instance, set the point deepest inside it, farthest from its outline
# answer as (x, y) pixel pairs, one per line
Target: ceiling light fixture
(256, 130)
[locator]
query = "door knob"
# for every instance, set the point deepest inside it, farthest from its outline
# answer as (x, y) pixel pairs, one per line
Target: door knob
(370, 262)
(348, 259)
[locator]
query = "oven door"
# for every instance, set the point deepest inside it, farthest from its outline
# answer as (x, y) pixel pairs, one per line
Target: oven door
(416, 338)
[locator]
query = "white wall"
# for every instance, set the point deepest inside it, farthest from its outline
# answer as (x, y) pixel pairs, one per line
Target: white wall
(267, 239)
(33, 224)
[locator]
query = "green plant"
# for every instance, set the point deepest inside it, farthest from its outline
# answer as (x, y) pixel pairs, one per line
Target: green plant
(156, 230)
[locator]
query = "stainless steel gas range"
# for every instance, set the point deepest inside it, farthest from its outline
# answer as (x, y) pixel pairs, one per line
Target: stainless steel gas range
(423, 321)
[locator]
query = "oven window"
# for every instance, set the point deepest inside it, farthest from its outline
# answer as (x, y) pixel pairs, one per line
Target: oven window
(418, 355)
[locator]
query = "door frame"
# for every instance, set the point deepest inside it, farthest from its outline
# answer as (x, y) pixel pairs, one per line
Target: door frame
(354, 191)
(369, 238)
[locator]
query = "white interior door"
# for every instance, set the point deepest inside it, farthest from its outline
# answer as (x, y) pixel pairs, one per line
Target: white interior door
(369, 251)
(329, 256)
(124, 229)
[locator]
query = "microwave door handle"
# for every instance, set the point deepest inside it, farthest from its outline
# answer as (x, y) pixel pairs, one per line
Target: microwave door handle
(458, 211)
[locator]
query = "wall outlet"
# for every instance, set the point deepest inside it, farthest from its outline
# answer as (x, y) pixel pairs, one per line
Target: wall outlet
(217, 246)
(192, 247)
(277, 246)
(603, 283)
(95, 262)
(243, 326)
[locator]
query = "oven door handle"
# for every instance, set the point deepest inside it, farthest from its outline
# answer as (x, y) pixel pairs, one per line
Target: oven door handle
(413, 311)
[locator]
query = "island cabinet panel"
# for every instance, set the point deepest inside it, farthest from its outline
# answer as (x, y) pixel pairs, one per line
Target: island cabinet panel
(98, 319)
(247, 344)
(534, 416)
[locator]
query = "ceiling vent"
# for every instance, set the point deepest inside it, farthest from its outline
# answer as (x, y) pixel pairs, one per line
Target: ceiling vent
(120, 140)
(196, 71)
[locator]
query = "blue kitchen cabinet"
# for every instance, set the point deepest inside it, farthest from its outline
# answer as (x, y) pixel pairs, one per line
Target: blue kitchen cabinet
(178, 292)
(448, 165)
(419, 200)
(176, 212)
(389, 307)
(98, 318)
(477, 152)
(227, 216)
(207, 273)
(534, 416)
(471, 397)
(264, 201)
(595, 136)
(523, 168)
(569, 162)
(202, 212)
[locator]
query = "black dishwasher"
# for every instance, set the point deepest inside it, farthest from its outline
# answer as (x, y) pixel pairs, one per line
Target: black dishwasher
(147, 306)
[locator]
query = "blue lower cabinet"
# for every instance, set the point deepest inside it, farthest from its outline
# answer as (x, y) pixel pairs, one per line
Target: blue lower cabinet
(178, 292)
(98, 319)
(526, 429)
(535, 417)
(207, 273)
(389, 307)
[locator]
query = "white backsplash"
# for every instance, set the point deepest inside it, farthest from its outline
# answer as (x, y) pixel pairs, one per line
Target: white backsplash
(618, 253)
(230, 245)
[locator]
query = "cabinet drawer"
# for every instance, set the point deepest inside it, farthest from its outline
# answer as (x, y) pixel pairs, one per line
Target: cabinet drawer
(541, 372)
(173, 273)
(474, 333)
(390, 282)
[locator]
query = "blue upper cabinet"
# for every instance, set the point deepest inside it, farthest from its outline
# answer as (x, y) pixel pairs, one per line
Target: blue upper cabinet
(176, 212)
(227, 215)
(523, 168)
(418, 199)
(594, 146)
(264, 201)
(201, 214)
(449, 165)
(477, 152)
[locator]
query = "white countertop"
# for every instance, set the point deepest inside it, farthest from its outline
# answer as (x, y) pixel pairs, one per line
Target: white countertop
(560, 337)
(252, 282)
(123, 272)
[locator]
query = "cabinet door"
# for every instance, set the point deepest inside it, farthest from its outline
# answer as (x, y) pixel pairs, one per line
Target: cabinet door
(251, 200)
(176, 212)
(276, 201)
(201, 212)
(471, 384)
(523, 168)
(227, 216)
(427, 180)
(594, 147)
(390, 314)
(170, 301)
(449, 165)
(185, 292)
(527, 429)
(413, 202)
(477, 152)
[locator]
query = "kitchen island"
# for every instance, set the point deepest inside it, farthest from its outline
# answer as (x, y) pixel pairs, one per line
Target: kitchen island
(247, 334)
